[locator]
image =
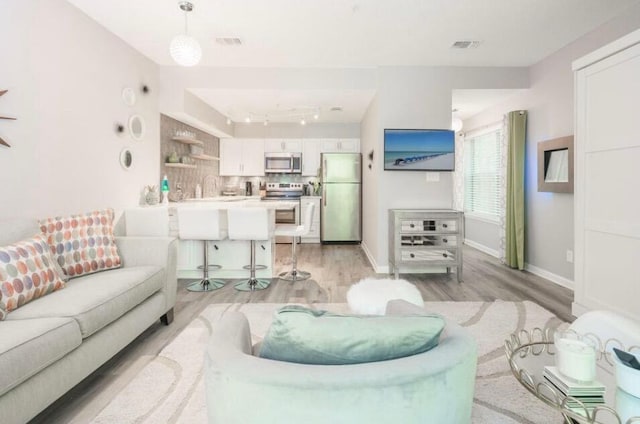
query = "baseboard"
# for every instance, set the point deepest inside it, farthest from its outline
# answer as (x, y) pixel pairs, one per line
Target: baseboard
(554, 278)
(377, 268)
(482, 248)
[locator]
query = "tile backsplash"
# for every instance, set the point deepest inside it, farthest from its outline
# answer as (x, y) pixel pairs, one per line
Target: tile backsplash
(206, 173)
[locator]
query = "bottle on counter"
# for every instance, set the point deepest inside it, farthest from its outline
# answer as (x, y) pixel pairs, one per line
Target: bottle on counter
(165, 190)
(263, 189)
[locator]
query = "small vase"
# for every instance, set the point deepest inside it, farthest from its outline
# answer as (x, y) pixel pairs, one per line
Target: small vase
(152, 197)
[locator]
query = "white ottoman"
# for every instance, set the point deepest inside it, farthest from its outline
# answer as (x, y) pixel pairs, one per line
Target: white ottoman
(370, 297)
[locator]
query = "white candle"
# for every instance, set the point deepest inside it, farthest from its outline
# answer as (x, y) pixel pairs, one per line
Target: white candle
(576, 359)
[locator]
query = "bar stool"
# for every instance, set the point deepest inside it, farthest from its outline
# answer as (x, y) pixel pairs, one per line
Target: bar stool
(249, 224)
(202, 224)
(295, 231)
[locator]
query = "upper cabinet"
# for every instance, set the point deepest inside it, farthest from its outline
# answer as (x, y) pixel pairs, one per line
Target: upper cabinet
(283, 145)
(242, 157)
(311, 156)
(341, 145)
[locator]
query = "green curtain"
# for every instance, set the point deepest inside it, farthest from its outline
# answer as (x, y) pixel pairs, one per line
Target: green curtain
(514, 222)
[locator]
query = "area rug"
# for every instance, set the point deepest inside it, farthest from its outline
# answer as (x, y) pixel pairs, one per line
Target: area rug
(170, 389)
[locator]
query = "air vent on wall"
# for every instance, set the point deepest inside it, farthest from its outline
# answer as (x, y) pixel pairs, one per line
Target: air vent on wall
(228, 41)
(465, 44)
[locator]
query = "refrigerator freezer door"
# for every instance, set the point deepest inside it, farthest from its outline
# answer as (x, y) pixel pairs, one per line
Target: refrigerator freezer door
(341, 167)
(340, 212)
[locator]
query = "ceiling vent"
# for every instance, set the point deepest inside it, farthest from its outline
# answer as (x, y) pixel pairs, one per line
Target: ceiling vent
(336, 109)
(465, 44)
(228, 41)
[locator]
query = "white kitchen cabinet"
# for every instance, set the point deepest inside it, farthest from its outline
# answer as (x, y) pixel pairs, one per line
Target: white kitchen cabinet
(242, 157)
(283, 145)
(314, 234)
(311, 156)
(341, 145)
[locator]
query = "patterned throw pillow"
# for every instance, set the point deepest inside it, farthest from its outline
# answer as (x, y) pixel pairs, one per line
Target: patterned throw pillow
(27, 272)
(84, 243)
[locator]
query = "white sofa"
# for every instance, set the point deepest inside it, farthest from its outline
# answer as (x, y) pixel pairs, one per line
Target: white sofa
(52, 343)
(432, 387)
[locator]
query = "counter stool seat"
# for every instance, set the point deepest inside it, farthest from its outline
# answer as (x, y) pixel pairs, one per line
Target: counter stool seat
(202, 224)
(295, 231)
(250, 224)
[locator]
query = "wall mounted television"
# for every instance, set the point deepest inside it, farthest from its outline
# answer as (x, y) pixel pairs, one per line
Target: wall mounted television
(419, 150)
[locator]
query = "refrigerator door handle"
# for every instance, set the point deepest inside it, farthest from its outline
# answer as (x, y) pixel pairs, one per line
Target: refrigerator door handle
(324, 170)
(324, 194)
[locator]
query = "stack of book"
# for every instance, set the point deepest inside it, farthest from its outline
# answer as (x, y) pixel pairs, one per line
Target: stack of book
(590, 394)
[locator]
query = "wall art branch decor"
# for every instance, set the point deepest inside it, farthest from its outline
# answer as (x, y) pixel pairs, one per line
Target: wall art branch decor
(2, 142)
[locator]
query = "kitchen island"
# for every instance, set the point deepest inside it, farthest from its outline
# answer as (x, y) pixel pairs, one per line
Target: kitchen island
(231, 255)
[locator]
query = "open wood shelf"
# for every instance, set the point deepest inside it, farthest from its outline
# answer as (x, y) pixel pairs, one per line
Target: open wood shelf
(188, 140)
(204, 157)
(179, 165)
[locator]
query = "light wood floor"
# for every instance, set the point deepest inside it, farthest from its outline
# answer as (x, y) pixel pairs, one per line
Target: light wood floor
(334, 268)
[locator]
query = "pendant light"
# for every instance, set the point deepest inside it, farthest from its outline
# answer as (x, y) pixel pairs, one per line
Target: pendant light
(185, 50)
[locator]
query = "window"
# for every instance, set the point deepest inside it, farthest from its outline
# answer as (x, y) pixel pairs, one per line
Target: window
(482, 173)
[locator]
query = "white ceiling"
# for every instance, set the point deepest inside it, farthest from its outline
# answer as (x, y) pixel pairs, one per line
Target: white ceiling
(348, 33)
(288, 105)
(472, 102)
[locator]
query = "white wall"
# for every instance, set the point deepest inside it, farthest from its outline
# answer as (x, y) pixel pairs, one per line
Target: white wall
(370, 139)
(65, 74)
(549, 216)
(420, 97)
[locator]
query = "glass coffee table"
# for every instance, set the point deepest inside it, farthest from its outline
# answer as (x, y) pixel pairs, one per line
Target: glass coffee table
(528, 352)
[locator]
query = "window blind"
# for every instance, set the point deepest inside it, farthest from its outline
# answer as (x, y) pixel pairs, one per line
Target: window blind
(482, 173)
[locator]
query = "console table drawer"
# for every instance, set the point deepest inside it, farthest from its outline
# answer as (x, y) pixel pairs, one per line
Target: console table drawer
(428, 225)
(428, 240)
(409, 255)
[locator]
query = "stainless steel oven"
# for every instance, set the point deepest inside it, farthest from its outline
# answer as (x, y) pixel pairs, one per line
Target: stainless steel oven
(289, 192)
(283, 163)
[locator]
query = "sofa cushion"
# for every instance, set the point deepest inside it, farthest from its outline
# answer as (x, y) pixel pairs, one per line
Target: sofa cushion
(306, 336)
(96, 300)
(26, 273)
(28, 346)
(82, 243)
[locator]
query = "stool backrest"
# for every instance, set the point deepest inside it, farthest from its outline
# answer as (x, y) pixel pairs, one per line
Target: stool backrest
(250, 223)
(199, 224)
(308, 217)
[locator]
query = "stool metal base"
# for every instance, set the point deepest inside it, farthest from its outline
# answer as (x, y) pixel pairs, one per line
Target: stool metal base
(205, 285)
(210, 266)
(295, 275)
(252, 285)
(257, 267)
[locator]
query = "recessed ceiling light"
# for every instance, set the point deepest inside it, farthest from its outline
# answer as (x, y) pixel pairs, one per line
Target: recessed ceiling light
(465, 44)
(247, 119)
(229, 41)
(228, 121)
(303, 122)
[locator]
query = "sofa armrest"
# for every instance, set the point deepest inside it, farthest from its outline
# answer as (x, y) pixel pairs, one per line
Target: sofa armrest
(159, 251)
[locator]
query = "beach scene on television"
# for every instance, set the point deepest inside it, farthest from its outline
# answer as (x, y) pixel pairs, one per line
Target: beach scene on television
(426, 150)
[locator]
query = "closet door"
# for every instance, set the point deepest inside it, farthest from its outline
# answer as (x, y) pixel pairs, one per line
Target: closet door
(607, 195)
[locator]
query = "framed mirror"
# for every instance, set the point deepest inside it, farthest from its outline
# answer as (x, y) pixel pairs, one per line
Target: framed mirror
(126, 159)
(555, 165)
(136, 127)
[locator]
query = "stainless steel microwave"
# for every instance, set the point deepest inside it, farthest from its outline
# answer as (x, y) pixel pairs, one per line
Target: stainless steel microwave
(283, 163)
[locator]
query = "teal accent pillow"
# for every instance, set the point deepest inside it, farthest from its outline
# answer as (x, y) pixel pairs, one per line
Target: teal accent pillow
(307, 336)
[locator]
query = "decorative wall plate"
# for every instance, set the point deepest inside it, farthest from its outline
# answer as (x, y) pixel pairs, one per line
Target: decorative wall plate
(126, 159)
(136, 127)
(128, 96)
